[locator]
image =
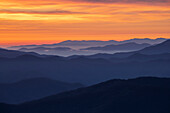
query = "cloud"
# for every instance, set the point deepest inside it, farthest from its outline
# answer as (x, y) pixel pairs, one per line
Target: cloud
(33, 11)
(142, 12)
(154, 12)
(53, 2)
(126, 1)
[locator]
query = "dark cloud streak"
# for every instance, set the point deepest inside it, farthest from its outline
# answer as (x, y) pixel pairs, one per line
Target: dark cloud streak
(30, 11)
(124, 1)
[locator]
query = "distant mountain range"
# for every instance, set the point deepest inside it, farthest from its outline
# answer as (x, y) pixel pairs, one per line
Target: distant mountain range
(31, 89)
(35, 79)
(13, 53)
(154, 49)
(92, 43)
(120, 47)
(152, 61)
(63, 51)
(88, 47)
(66, 51)
(46, 49)
(141, 95)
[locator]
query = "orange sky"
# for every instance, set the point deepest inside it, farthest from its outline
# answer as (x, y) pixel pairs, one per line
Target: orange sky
(49, 21)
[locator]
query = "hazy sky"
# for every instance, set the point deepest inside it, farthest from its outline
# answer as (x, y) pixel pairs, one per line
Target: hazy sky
(48, 21)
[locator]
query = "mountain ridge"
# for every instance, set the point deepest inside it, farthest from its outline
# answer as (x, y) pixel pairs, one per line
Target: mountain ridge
(83, 42)
(153, 49)
(33, 88)
(120, 47)
(139, 95)
(14, 53)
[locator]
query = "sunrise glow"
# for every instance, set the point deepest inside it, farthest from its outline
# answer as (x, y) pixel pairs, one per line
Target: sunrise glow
(50, 21)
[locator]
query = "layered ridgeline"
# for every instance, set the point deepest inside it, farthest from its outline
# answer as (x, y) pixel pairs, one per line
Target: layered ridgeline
(92, 43)
(150, 61)
(89, 47)
(141, 95)
(151, 50)
(66, 51)
(120, 47)
(4, 53)
(63, 51)
(31, 89)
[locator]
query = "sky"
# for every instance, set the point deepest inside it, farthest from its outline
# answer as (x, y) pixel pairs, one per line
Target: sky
(51, 21)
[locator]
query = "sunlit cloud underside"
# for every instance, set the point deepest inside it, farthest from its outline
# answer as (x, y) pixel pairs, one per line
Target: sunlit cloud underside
(40, 21)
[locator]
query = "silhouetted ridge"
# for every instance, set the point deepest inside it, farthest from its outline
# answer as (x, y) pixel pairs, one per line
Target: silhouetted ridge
(88, 60)
(138, 55)
(91, 43)
(28, 57)
(167, 42)
(154, 49)
(34, 88)
(46, 49)
(163, 47)
(120, 47)
(13, 53)
(141, 95)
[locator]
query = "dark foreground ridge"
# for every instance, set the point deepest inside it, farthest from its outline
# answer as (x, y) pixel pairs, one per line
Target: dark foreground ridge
(31, 89)
(140, 95)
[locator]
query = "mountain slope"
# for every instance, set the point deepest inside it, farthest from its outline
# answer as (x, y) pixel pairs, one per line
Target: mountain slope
(161, 48)
(83, 70)
(92, 43)
(43, 49)
(120, 47)
(32, 89)
(138, 57)
(12, 53)
(141, 95)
